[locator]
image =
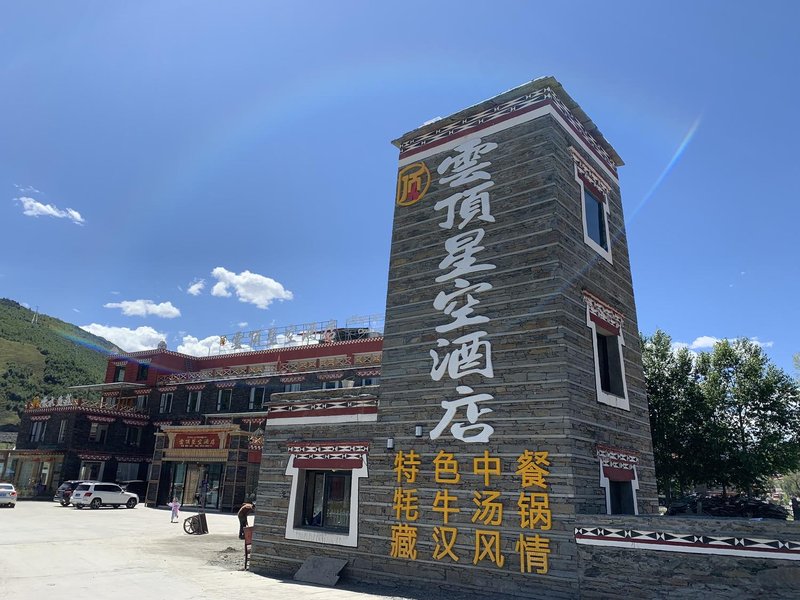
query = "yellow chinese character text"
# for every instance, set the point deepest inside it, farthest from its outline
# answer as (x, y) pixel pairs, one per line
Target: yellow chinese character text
(406, 503)
(529, 467)
(445, 538)
(490, 508)
(534, 553)
(404, 542)
(442, 504)
(486, 466)
(446, 468)
(487, 546)
(534, 509)
(406, 465)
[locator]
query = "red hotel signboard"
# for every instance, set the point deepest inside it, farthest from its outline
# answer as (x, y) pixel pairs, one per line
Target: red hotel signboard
(197, 440)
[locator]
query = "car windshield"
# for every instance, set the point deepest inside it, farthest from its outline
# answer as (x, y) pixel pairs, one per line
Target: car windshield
(81, 487)
(6, 486)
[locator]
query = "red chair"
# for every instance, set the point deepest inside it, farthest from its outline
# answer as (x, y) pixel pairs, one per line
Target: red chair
(248, 544)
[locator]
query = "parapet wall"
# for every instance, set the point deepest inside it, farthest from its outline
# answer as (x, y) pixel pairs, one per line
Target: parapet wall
(687, 557)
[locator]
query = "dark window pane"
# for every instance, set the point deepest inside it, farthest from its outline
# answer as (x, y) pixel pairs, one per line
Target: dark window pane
(326, 501)
(609, 362)
(621, 497)
(595, 219)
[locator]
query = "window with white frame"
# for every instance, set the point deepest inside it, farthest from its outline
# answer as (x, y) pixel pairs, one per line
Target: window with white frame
(224, 400)
(119, 373)
(38, 429)
(193, 403)
(619, 480)
(141, 401)
(98, 432)
(62, 431)
(165, 406)
(595, 194)
(331, 385)
(370, 381)
(323, 502)
(291, 387)
(258, 397)
(605, 324)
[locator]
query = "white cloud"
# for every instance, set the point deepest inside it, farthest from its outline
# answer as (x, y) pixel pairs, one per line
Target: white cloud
(758, 342)
(34, 208)
(196, 287)
(130, 340)
(142, 308)
(27, 189)
(25, 304)
(243, 324)
(707, 342)
(704, 341)
(209, 345)
(76, 310)
(248, 287)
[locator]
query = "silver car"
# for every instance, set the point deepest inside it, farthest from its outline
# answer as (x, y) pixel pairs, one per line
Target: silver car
(96, 495)
(8, 495)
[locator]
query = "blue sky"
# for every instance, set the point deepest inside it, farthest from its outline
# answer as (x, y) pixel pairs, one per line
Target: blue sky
(149, 146)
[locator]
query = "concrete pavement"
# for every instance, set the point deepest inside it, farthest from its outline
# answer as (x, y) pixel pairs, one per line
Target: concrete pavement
(47, 550)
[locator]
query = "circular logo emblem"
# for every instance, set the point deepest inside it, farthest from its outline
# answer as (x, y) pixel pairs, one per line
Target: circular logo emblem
(412, 183)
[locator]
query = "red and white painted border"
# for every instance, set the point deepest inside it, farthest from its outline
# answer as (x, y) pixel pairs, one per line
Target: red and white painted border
(667, 541)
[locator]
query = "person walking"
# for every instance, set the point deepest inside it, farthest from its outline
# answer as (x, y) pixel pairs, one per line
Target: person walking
(247, 509)
(174, 505)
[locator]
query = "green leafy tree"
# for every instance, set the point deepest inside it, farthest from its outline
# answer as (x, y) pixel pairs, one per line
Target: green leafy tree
(679, 417)
(728, 417)
(756, 414)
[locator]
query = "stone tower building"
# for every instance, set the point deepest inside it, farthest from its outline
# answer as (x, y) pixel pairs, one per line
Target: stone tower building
(511, 394)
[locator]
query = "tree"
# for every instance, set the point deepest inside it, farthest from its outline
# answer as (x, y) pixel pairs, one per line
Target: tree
(679, 417)
(728, 417)
(756, 409)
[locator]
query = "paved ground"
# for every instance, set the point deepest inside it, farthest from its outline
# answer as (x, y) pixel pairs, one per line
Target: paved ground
(49, 551)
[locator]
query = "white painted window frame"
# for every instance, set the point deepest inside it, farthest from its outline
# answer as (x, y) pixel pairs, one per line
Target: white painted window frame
(219, 399)
(194, 406)
(252, 404)
(606, 254)
(602, 396)
(295, 532)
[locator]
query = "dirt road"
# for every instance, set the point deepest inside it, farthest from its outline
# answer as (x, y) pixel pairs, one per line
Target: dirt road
(49, 551)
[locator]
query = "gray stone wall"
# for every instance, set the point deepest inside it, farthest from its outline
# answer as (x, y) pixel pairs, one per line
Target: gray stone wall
(608, 572)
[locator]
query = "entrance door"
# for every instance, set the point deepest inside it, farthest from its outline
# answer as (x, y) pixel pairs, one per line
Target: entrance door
(191, 488)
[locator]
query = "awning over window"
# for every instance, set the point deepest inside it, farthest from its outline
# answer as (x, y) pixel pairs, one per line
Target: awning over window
(601, 313)
(328, 455)
(618, 464)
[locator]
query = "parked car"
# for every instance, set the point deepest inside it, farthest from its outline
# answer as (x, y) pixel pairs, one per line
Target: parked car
(8, 495)
(99, 494)
(65, 490)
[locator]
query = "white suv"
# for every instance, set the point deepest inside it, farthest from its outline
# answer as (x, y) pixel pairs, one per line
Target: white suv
(96, 495)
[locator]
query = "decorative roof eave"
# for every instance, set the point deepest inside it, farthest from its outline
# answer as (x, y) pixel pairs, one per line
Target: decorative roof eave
(113, 385)
(248, 353)
(583, 121)
(88, 410)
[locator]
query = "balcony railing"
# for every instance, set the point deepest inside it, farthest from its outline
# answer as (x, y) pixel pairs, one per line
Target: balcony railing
(307, 365)
(119, 404)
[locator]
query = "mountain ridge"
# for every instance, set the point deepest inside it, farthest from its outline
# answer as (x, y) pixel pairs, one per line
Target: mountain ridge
(42, 355)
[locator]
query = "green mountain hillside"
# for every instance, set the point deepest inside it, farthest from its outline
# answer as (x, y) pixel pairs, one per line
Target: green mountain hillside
(42, 358)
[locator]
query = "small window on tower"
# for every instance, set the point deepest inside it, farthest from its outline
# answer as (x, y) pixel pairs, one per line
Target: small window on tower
(595, 192)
